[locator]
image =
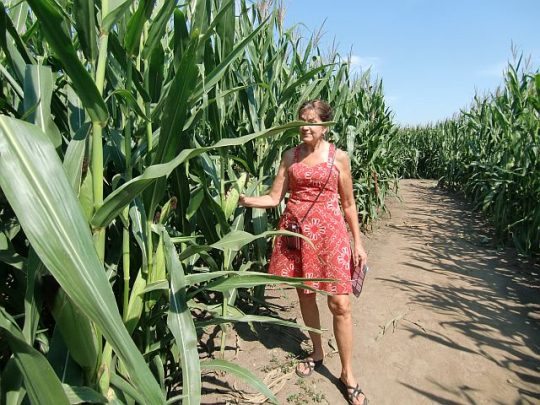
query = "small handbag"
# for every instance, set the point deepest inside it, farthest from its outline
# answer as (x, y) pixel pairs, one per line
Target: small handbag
(294, 242)
(357, 278)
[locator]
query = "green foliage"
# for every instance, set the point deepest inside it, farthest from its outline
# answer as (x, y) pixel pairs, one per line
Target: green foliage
(491, 153)
(123, 127)
(365, 130)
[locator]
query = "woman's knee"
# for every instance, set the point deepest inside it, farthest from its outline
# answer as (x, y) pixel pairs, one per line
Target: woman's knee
(340, 306)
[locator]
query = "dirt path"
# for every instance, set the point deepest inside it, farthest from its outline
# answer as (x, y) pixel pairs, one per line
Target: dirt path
(444, 318)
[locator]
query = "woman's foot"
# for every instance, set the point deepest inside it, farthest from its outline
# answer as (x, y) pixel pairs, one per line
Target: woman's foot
(353, 392)
(306, 366)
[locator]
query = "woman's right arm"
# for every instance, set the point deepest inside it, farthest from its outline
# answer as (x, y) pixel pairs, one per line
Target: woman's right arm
(278, 190)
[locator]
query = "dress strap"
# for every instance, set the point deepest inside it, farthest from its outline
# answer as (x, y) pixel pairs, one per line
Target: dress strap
(331, 153)
(296, 153)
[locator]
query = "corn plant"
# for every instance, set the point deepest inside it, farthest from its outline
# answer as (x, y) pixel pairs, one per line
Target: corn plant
(127, 131)
(491, 154)
(365, 130)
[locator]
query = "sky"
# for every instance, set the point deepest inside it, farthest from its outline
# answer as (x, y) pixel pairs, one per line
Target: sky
(433, 56)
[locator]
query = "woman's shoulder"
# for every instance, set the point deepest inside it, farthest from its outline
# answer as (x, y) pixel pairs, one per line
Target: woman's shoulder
(341, 155)
(288, 156)
(290, 152)
(342, 162)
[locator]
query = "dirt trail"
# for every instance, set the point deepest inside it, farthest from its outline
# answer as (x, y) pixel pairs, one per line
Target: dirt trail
(444, 318)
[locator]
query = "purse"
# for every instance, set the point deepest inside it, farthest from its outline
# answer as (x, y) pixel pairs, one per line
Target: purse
(357, 278)
(295, 242)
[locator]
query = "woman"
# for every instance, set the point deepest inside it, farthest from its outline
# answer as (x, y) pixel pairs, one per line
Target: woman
(313, 165)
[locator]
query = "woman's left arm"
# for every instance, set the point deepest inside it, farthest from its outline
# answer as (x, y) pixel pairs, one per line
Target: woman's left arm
(345, 188)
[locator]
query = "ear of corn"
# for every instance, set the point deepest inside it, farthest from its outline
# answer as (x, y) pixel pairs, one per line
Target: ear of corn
(231, 200)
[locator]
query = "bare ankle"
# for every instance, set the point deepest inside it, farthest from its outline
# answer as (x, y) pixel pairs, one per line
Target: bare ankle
(347, 375)
(317, 354)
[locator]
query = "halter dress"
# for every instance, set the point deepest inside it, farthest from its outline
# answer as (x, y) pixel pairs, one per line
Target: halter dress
(330, 257)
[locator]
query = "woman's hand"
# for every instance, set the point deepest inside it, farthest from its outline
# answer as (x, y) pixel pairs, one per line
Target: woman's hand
(359, 255)
(277, 191)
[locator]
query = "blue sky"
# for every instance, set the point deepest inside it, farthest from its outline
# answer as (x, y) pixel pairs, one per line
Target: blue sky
(432, 55)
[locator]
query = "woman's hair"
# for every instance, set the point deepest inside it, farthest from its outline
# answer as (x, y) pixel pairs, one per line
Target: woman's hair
(322, 108)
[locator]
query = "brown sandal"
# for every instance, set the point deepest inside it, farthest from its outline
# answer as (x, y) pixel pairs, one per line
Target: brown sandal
(311, 365)
(354, 394)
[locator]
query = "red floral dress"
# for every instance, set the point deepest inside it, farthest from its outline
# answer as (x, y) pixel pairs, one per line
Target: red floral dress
(324, 225)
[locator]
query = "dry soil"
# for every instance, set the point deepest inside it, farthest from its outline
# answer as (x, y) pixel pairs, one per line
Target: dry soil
(445, 318)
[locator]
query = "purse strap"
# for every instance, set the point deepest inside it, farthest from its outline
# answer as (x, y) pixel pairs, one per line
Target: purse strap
(331, 158)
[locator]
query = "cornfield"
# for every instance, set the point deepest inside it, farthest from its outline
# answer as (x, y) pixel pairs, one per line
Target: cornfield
(127, 131)
(491, 153)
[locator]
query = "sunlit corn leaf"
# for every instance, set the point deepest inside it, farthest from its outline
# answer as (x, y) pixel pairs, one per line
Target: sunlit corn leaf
(74, 157)
(53, 221)
(196, 278)
(83, 395)
(216, 320)
(38, 90)
(116, 12)
(51, 21)
(249, 281)
(158, 26)
(235, 240)
(246, 375)
(118, 199)
(127, 389)
(215, 75)
(155, 286)
(136, 303)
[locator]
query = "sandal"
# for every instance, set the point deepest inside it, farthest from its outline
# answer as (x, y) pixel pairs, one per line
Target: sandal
(353, 393)
(310, 364)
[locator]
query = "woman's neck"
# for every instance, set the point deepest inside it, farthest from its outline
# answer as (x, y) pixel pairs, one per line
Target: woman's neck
(310, 148)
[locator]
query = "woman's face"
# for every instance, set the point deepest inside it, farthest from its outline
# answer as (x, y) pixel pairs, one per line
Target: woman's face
(308, 133)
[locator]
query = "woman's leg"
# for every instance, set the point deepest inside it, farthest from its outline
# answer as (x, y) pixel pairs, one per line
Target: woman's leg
(310, 314)
(340, 307)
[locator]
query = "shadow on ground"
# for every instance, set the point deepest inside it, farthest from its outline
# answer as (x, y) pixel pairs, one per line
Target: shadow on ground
(494, 289)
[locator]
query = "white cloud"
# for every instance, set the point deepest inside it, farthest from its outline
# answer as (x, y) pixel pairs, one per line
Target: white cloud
(363, 63)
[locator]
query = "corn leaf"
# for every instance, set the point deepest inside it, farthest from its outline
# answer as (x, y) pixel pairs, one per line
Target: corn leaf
(217, 320)
(118, 199)
(32, 299)
(158, 26)
(38, 90)
(181, 325)
(83, 395)
(196, 278)
(41, 383)
(118, 8)
(54, 223)
(77, 331)
(249, 281)
(235, 240)
(241, 372)
(84, 14)
(51, 21)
